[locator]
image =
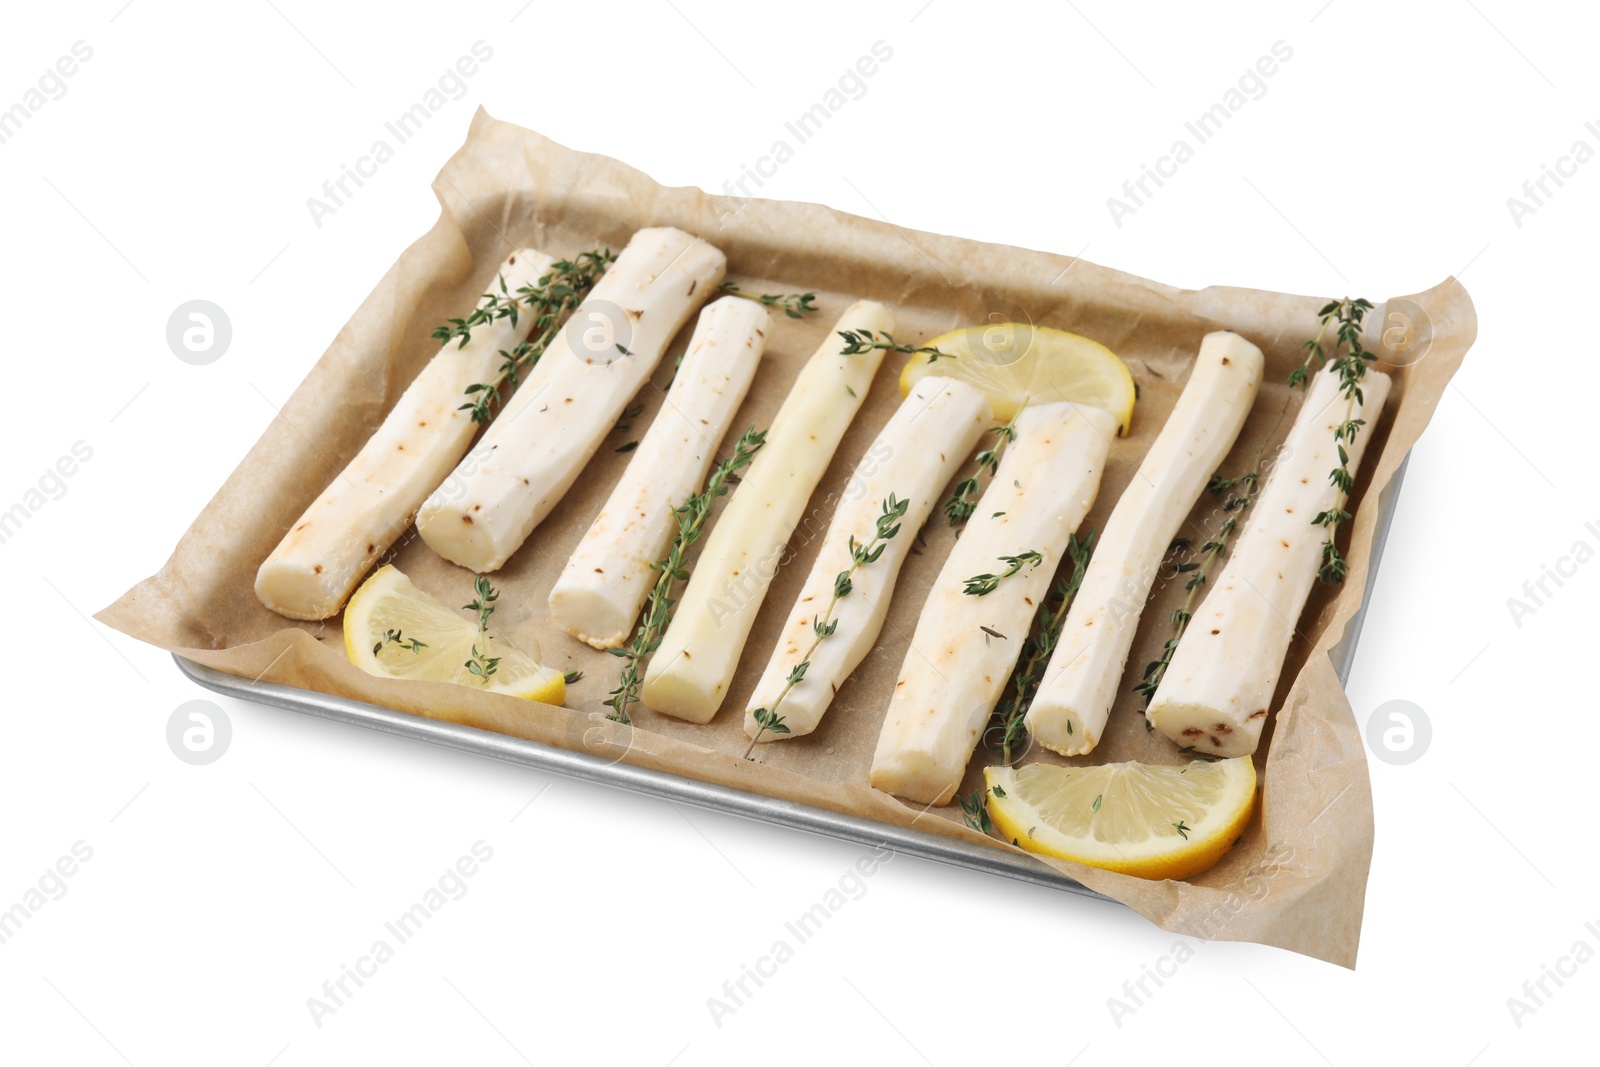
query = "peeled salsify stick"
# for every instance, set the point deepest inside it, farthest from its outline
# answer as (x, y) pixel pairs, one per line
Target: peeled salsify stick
(1081, 682)
(965, 646)
(913, 459)
(1217, 691)
(530, 456)
(690, 672)
(370, 503)
(599, 594)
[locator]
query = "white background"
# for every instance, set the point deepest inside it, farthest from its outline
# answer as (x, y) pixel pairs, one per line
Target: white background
(219, 898)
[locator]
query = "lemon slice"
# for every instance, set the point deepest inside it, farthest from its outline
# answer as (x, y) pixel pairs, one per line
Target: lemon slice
(1016, 364)
(388, 601)
(1135, 818)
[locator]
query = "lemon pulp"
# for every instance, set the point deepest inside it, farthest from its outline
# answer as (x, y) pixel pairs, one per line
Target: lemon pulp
(388, 601)
(1137, 818)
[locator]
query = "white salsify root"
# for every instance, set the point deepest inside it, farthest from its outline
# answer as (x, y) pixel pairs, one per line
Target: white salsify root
(530, 456)
(690, 673)
(965, 646)
(1081, 682)
(366, 508)
(599, 594)
(914, 458)
(1217, 691)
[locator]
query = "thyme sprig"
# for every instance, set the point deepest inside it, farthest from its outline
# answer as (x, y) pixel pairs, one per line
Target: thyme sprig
(550, 301)
(858, 341)
(975, 811)
(482, 664)
(1007, 727)
(691, 517)
(823, 626)
(1350, 361)
(984, 584)
(1236, 494)
(1347, 337)
(398, 639)
(795, 305)
(767, 722)
(491, 307)
(964, 499)
(484, 603)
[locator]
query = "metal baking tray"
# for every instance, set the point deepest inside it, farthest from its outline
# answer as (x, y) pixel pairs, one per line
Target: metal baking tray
(723, 798)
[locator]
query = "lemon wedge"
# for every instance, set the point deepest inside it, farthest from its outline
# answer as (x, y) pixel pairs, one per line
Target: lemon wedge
(1135, 818)
(433, 643)
(1016, 364)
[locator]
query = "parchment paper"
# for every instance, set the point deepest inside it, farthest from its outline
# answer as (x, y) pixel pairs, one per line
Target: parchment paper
(1298, 877)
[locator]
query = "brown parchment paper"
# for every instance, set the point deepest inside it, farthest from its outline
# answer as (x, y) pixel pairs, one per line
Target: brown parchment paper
(1297, 879)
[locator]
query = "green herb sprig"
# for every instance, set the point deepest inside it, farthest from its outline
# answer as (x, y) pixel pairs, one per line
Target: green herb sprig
(1350, 361)
(964, 499)
(491, 307)
(484, 603)
(823, 626)
(858, 341)
(984, 584)
(1236, 494)
(482, 664)
(550, 301)
(795, 305)
(691, 517)
(1007, 728)
(975, 811)
(767, 721)
(1347, 314)
(398, 639)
